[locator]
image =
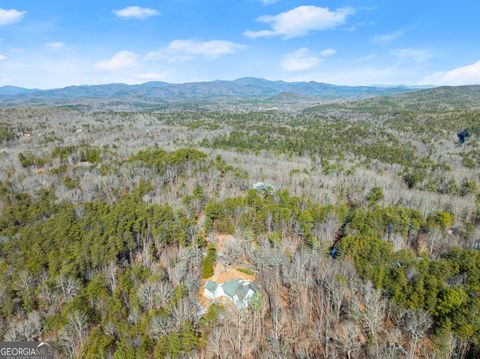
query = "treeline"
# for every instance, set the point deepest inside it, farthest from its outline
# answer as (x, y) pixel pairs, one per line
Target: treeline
(337, 140)
(66, 154)
(162, 160)
(433, 178)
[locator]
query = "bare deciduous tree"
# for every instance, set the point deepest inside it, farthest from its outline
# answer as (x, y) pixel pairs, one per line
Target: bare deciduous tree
(74, 332)
(417, 323)
(347, 339)
(68, 286)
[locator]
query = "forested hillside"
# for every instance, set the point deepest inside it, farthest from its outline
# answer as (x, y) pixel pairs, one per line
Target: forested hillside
(358, 224)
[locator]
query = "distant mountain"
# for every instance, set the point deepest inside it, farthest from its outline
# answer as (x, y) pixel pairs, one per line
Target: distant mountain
(436, 99)
(152, 92)
(13, 90)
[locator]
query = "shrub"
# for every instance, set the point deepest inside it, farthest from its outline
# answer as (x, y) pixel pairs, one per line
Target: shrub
(225, 226)
(245, 270)
(28, 159)
(442, 219)
(70, 183)
(468, 188)
(375, 195)
(209, 261)
(6, 133)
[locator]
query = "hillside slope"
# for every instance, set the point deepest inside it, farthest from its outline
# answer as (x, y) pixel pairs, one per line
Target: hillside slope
(437, 99)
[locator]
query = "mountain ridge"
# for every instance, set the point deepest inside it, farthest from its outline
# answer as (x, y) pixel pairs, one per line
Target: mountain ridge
(245, 87)
(440, 98)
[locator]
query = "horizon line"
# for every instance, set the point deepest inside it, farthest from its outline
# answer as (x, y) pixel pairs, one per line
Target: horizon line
(222, 80)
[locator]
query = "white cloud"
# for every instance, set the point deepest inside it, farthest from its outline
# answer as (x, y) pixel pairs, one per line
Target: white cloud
(301, 21)
(412, 55)
(120, 61)
(304, 59)
(8, 17)
(183, 50)
(2, 57)
(465, 75)
(300, 60)
(136, 12)
(55, 45)
(328, 52)
(385, 38)
(38, 69)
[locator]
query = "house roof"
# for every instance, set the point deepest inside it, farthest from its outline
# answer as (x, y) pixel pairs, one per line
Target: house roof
(211, 286)
(237, 287)
(264, 186)
(231, 287)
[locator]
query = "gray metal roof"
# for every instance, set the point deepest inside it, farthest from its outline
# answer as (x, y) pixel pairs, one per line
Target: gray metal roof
(211, 286)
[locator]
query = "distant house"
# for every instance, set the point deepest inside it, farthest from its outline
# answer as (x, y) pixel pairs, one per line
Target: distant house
(260, 186)
(239, 291)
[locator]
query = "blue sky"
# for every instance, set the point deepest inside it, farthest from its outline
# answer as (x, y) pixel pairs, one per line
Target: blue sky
(53, 43)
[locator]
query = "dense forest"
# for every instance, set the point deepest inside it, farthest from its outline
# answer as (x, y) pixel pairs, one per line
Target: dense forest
(357, 222)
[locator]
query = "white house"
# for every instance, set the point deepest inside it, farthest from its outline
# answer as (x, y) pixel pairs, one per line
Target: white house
(239, 291)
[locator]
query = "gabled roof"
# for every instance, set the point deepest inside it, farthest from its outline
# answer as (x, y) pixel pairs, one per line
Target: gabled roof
(231, 287)
(211, 286)
(237, 287)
